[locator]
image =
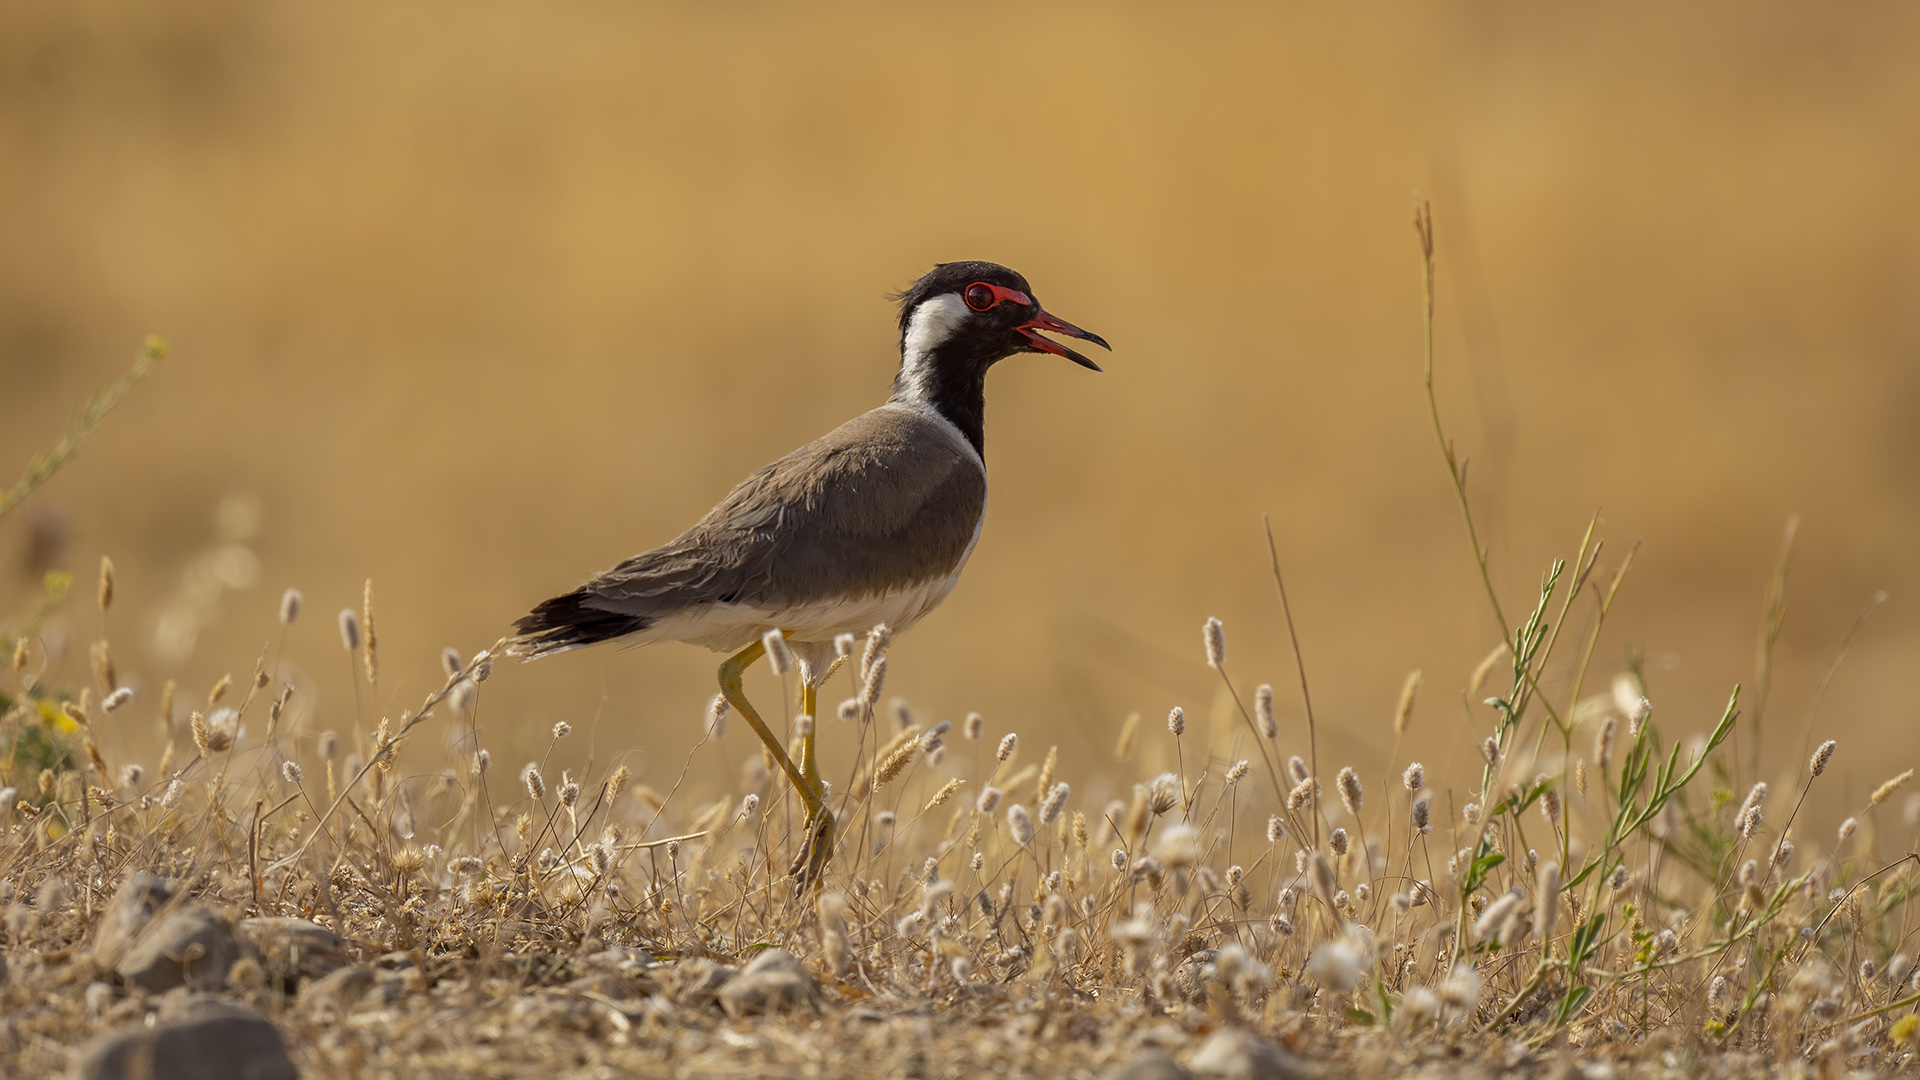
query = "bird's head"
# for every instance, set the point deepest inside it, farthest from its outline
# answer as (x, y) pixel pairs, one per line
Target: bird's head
(973, 314)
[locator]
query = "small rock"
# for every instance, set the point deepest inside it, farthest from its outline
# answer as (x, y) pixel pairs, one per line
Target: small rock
(1195, 974)
(344, 988)
(1152, 1065)
(132, 907)
(211, 1041)
(1236, 1055)
(695, 982)
(188, 946)
(294, 948)
(774, 981)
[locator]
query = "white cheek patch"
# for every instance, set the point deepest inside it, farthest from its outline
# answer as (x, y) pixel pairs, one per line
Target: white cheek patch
(932, 324)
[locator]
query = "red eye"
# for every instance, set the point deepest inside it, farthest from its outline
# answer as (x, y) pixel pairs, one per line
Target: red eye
(980, 297)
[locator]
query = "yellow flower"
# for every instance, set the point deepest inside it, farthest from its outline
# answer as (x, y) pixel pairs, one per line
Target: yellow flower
(1904, 1028)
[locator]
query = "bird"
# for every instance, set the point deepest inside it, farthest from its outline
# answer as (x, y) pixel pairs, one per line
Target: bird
(869, 525)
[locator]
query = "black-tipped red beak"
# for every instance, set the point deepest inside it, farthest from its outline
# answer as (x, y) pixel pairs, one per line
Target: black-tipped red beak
(1043, 321)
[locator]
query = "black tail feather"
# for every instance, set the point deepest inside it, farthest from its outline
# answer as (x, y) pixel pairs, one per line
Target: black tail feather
(569, 621)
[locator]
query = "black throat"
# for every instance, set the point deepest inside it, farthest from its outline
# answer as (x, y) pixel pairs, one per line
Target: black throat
(953, 386)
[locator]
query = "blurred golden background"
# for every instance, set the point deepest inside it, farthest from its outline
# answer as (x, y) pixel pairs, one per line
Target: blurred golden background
(475, 299)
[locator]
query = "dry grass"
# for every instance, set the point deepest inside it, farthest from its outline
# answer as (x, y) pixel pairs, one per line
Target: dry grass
(1608, 882)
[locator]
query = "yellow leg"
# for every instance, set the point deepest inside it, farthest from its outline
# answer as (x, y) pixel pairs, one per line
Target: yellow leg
(808, 770)
(730, 673)
(817, 848)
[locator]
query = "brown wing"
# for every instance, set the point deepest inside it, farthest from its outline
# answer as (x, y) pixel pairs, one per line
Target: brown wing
(889, 499)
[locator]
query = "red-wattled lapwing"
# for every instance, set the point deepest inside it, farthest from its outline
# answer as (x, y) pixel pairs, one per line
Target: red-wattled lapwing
(868, 525)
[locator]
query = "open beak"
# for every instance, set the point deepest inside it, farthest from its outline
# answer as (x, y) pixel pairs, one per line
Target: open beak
(1043, 321)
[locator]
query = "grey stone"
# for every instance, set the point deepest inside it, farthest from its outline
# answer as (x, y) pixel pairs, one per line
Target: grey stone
(132, 907)
(1236, 1055)
(208, 1041)
(191, 946)
(772, 982)
(1152, 1065)
(696, 981)
(1195, 974)
(294, 948)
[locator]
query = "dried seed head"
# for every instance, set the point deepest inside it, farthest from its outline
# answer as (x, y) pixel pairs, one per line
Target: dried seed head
(20, 654)
(1322, 873)
(1337, 841)
(716, 725)
(616, 783)
(1470, 813)
(875, 681)
(1637, 716)
(130, 776)
(843, 645)
(1619, 879)
(849, 710)
(450, 662)
(749, 806)
(569, 790)
(535, 783)
(328, 744)
(1420, 814)
(1008, 742)
(1485, 668)
(1238, 771)
(1019, 824)
(1276, 829)
(1881, 793)
(1717, 991)
(1603, 741)
(1846, 829)
(1403, 711)
(349, 630)
(879, 639)
(1547, 899)
(1490, 750)
(884, 819)
(1164, 793)
(1821, 758)
(802, 726)
(896, 762)
(1414, 778)
(106, 583)
(1118, 858)
(117, 698)
(1297, 769)
(289, 607)
(1493, 922)
(1351, 794)
(975, 726)
(562, 729)
(1263, 711)
(1177, 721)
(1045, 782)
(372, 654)
(946, 792)
(103, 674)
(1055, 803)
(1178, 846)
(290, 772)
(779, 657)
(175, 792)
(482, 666)
(1550, 806)
(988, 800)
(1750, 808)
(1216, 639)
(1300, 796)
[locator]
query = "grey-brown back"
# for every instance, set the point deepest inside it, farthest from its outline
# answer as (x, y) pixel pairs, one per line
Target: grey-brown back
(889, 500)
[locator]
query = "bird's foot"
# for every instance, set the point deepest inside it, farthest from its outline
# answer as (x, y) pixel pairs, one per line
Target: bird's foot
(810, 862)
